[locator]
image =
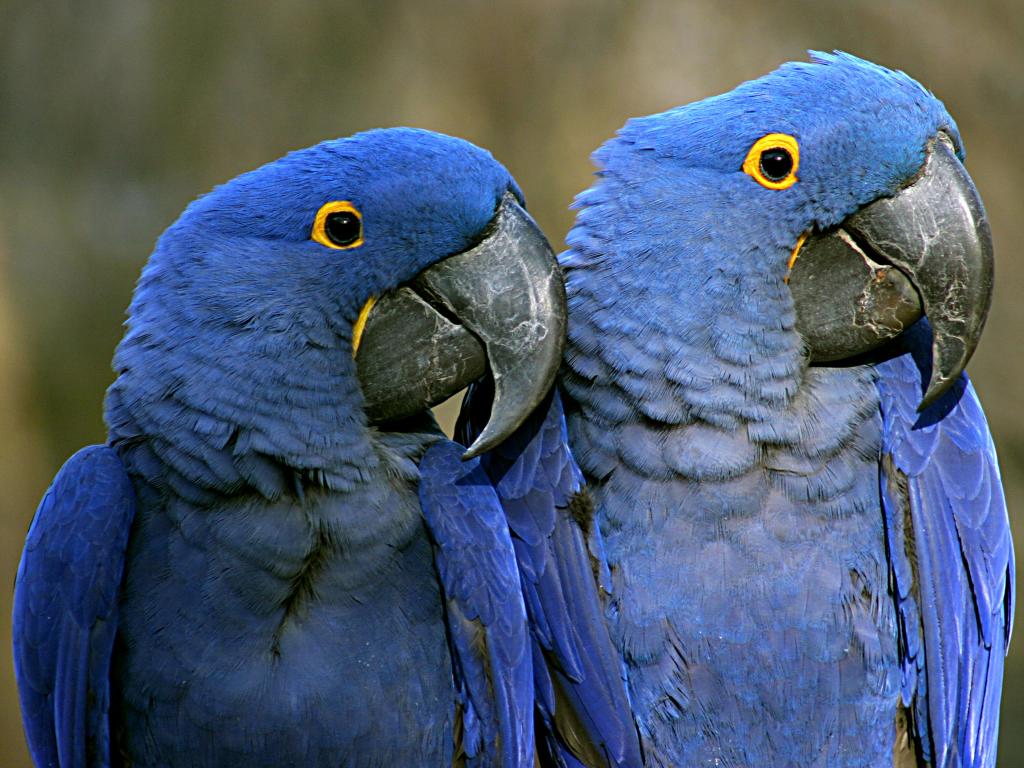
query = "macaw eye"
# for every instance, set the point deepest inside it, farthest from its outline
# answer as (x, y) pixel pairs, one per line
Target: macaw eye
(338, 225)
(775, 164)
(773, 161)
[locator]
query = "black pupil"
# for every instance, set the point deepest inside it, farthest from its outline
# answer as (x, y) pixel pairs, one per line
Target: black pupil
(342, 227)
(776, 164)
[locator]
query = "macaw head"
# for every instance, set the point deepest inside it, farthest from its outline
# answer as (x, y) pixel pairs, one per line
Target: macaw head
(837, 178)
(398, 258)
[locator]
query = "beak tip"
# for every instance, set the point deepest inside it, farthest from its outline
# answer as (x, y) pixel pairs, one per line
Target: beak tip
(937, 387)
(483, 443)
(507, 415)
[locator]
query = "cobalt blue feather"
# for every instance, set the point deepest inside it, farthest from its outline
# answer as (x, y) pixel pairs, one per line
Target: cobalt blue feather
(559, 552)
(280, 602)
(763, 599)
(65, 609)
(951, 557)
(485, 611)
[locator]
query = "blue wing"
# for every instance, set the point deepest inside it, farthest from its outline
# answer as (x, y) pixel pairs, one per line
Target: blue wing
(581, 695)
(65, 609)
(486, 617)
(951, 559)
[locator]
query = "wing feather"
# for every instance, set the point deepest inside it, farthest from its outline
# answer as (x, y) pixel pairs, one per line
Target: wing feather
(486, 616)
(581, 692)
(65, 609)
(951, 558)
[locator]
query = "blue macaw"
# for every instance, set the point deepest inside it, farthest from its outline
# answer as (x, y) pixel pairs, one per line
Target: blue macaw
(772, 297)
(277, 558)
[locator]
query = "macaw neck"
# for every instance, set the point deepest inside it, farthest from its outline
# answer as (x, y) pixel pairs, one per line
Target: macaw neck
(676, 342)
(223, 409)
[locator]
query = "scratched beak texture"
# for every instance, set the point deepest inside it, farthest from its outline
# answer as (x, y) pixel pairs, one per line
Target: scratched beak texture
(925, 251)
(497, 308)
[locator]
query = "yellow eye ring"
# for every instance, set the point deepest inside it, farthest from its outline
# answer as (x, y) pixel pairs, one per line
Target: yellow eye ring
(338, 225)
(773, 161)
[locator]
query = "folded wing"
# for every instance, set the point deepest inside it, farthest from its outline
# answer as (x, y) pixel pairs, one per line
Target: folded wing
(486, 617)
(951, 558)
(65, 609)
(581, 694)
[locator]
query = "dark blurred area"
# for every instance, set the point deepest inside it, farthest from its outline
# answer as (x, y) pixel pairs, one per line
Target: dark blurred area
(114, 114)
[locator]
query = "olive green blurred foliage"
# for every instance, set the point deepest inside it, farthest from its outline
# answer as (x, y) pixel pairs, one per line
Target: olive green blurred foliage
(115, 113)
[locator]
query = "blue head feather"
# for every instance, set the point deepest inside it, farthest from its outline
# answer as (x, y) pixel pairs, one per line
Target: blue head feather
(862, 131)
(239, 333)
(423, 196)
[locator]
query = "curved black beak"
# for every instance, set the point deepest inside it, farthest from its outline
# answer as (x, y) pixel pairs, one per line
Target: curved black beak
(925, 251)
(498, 307)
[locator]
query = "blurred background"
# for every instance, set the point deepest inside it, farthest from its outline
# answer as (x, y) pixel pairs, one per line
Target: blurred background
(114, 114)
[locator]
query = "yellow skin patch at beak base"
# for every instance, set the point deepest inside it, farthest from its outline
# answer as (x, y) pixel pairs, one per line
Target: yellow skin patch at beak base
(360, 324)
(796, 253)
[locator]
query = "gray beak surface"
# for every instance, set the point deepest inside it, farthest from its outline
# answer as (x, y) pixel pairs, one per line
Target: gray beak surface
(925, 251)
(498, 307)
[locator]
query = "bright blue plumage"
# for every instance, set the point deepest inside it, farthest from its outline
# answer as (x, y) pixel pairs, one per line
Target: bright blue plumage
(559, 551)
(954, 596)
(485, 611)
(278, 602)
(765, 599)
(66, 607)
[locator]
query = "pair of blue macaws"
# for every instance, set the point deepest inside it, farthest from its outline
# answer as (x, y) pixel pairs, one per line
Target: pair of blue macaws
(758, 520)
